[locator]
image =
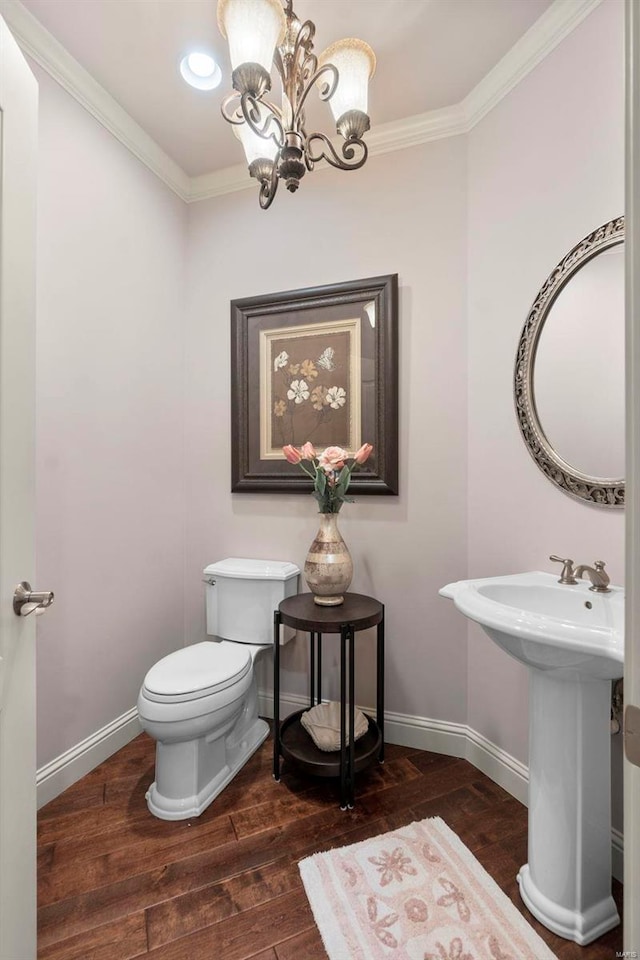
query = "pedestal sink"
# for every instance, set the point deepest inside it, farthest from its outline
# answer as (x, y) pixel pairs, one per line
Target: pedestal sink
(572, 641)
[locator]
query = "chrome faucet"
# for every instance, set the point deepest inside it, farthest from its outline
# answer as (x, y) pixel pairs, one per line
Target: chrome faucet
(599, 579)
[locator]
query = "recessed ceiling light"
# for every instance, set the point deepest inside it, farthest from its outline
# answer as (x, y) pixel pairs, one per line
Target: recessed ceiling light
(200, 71)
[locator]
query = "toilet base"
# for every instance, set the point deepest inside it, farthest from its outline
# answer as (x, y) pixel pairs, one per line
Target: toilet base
(234, 754)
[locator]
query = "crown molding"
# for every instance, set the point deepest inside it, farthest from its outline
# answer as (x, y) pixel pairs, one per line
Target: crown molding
(556, 23)
(36, 41)
(421, 128)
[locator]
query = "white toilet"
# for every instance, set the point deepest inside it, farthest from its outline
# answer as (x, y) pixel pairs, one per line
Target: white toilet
(201, 703)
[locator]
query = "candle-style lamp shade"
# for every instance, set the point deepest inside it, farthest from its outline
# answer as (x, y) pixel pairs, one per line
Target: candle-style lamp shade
(355, 62)
(253, 28)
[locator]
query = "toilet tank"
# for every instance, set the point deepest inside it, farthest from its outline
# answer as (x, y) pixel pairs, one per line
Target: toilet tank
(242, 595)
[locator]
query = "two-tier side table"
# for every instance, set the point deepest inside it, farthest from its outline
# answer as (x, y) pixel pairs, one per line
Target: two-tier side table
(290, 739)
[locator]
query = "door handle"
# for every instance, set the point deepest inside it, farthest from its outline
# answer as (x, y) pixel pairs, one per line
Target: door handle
(26, 600)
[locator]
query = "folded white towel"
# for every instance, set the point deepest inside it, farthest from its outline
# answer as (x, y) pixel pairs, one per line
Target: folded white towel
(322, 723)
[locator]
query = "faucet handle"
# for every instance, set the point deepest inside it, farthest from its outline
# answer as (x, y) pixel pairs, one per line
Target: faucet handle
(599, 566)
(568, 575)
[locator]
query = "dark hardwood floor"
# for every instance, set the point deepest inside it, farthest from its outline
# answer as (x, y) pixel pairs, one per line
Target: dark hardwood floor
(116, 883)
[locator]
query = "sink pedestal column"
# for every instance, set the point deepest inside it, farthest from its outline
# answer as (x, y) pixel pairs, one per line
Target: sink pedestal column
(567, 882)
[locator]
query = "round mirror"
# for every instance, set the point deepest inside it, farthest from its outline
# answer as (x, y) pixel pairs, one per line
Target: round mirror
(569, 377)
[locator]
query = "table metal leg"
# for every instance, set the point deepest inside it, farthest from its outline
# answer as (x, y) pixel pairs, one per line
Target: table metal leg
(312, 670)
(319, 700)
(344, 798)
(352, 709)
(276, 695)
(380, 686)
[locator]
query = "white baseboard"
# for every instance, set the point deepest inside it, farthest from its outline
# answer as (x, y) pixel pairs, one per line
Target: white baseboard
(511, 774)
(455, 740)
(65, 770)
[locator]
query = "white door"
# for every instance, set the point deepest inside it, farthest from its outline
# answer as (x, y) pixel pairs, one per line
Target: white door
(18, 141)
(632, 643)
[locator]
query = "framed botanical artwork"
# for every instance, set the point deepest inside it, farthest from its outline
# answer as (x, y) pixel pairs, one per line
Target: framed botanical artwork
(318, 365)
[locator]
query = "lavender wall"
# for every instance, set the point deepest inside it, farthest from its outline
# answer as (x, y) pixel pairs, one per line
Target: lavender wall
(404, 213)
(545, 168)
(110, 479)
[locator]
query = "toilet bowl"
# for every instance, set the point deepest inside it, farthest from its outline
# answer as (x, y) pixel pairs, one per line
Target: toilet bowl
(200, 703)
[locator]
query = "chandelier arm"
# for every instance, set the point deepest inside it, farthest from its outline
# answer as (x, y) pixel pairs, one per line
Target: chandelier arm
(308, 67)
(234, 117)
(308, 162)
(325, 93)
(268, 188)
(291, 62)
(274, 108)
(304, 41)
(237, 117)
(328, 152)
(251, 114)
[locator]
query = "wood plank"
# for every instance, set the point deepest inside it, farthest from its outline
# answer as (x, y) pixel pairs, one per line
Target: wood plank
(147, 831)
(518, 846)
(486, 827)
(131, 859)
(457, 804)
(77, 798)
(289, 804)
(242, 935)
(108, 816)
(427, 762)
(305, 946)
(499, 863)
(442, 781)
(200, 908)
(122, 940)
(44, 859)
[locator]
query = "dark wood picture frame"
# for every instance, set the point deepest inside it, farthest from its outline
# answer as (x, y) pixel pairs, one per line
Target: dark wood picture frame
(373, 302)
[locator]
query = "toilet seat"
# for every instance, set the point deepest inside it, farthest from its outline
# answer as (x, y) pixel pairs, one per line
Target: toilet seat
(196, 671)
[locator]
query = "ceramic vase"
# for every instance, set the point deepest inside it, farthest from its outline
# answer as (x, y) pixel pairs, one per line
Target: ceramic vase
(328, 568)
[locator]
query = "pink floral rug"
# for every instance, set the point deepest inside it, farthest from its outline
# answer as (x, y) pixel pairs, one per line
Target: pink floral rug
(414, 894)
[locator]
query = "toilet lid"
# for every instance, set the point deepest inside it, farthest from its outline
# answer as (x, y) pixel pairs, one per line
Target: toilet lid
(197, 671)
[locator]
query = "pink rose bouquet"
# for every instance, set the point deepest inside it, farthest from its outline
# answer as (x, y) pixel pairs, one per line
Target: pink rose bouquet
(329, 470)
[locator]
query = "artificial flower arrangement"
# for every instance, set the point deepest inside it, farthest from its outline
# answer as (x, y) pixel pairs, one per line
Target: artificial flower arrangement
(330, 472)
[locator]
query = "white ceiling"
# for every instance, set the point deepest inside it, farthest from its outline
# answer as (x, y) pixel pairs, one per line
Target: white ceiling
(431, 54)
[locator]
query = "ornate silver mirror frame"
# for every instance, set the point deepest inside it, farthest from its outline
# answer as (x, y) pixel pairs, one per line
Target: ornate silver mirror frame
(605, 492)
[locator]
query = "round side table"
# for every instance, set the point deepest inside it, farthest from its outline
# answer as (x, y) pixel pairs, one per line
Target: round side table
(290, 739)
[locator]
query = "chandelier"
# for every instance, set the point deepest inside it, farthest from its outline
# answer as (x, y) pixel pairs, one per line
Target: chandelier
(262, 33)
